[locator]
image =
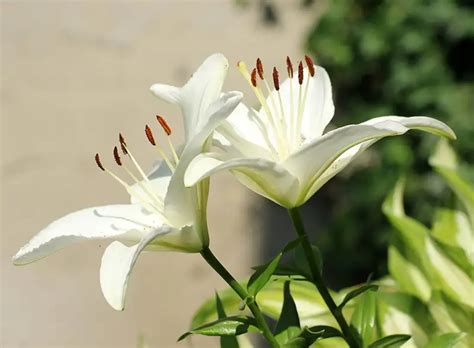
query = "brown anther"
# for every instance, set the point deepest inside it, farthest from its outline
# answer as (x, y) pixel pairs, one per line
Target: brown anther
(97, 161)
(300, 73)
(276, 80)
(123, 144)
(310, 64)
(253, 77)
(117, 157)
(164, 124)
(289, 67)
(260, 69)
(149, 135)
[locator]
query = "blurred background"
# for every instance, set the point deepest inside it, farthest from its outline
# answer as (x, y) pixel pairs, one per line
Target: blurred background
(74, 74)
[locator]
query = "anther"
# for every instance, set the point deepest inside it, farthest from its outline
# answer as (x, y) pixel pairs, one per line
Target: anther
(260, 69)
(253, 77)
(289, 67)
(123, 144)
(164, 124)
(117, 157)
(310, 64)
(149, 135)
(300, 73)
(97, 161)
(276, 81)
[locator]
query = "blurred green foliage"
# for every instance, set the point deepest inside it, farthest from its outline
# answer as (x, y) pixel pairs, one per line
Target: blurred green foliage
(404, 57)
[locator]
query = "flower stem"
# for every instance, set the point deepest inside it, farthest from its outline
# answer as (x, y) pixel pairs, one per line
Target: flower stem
(211, 259)
(317, 279)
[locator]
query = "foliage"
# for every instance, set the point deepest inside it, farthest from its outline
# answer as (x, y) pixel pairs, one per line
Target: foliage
(407, 57)
(426, 301)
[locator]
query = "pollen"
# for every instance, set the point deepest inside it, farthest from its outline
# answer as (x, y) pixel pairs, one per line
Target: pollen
(97, 161)
(164, 124)
(260, 69)
(310, 64)
(253, 77)
(276, 80)
(117, 158)
(289, 67)
(149, 135)
(300, 73)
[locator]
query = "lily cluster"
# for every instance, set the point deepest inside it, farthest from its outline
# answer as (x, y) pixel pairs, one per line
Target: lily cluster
(280, 151)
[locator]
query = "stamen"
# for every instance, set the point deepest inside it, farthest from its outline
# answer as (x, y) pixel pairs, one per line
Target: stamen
(260, 69)
(164, 124)
(276, 81)
(310, 64)
(253, 77)
(117, 157)
(167, 130)
(149, 135)
(300, 73)
(152, 141)
(289, 67)
(123, 144)
(97, 161)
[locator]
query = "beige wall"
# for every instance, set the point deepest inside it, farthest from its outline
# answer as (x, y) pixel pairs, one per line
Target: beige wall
(73, 75)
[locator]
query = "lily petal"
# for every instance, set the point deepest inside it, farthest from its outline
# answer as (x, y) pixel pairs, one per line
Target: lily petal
(117, 263)
(127, 222)
(423, 123)
(202, 89)
(312, 160)
(265, 177)
(179, 206)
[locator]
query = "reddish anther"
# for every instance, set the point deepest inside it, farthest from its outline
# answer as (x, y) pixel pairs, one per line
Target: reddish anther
(310, 64)
(260, 69)
(253, 77)
(117, 158)
(123, 144)
(149, 135)
(300, 73)
(289, 67)
(164, 124)
(276, 80)
(99, 164)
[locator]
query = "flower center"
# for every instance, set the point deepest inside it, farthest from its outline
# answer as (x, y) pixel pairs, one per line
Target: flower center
(285, 121)
(147, 196)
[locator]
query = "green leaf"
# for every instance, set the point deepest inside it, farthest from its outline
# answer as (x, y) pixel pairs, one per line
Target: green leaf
(230, 326)
(225, 341)
(363, 318)
(288, 325)
(262, 275)
(301, 262)
(448, 340)
(391, 341)
(319, 331)
(357, 292)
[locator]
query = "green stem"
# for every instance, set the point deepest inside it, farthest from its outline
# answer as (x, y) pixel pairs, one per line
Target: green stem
(211, 259)
(317, 279)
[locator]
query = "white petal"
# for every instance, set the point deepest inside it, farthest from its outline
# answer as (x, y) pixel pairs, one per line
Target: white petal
(170, 94)
(157, 183)
(127, 222)
(179, 203)
(417, 122)
(202, 89)
(318, 108)
(117, 263)
(260, 175)
(310, 162)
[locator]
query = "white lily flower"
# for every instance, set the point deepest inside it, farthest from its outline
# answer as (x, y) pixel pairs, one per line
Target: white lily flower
(280, 151)
(163, 214)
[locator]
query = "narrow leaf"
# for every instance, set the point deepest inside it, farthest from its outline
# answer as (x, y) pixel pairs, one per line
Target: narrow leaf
(262, 275)
(357, 292)
(288, 325)
(225, 341)
(391, 341)
(363, 318)
(448, 340)
(231, 326)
